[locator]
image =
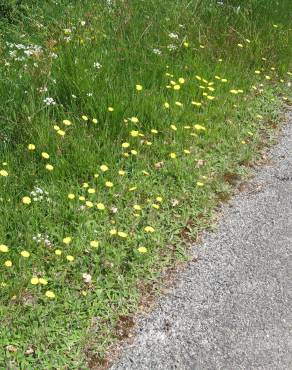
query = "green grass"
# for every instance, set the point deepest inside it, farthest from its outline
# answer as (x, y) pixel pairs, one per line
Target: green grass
(152, 43)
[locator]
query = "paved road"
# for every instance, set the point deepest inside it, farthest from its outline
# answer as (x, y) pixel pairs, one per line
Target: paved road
(230, 310)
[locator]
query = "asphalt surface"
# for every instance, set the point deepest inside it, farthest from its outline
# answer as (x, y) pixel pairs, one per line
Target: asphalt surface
(231, 309)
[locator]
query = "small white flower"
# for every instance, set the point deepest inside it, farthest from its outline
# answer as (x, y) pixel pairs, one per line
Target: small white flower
(87, 278)
(97, 65)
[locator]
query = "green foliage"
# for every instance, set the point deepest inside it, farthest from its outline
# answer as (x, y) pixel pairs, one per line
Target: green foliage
(199, 116)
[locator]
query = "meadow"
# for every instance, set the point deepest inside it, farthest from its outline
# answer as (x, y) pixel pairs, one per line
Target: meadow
(123, 125)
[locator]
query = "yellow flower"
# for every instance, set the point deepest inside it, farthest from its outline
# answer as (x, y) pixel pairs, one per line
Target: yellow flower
(139, 87)
(85, 118)
(110, 109)
(25, 254)
(43, 281)
(104, 168)
(196, 103)
(49, 294)
(89, 204)
(173, 127)
(34, 280)
(200, 183)
(224, 80)
(166, 105)
(49, 167)
(82, 198)
(122, 234)
(56, 127)
(154, 131)
(4, 248)
(94, 243)
(26, 200)
(100, 206)
(233, 91)
(159, 199)
(267, 77)
(240, 45)
(210, 97)
(61, 132)
(67, 240)
(200, 127)
(137, 207)
(125, 145)
(113, 232)
(94, 120)
(134, 133)
(142, 250)
(67, 122)
(134, 119)
(134, 152)
(181, 80)
(91, 191)
(149, 229)
(31, 147)
(257, 72)
(186, 44)
(58, 252)
(176, 87)
(172, 155)
(3, 173)
(186, 151)
(198, 77)
(8, 263)
(85, 185)
(121, 172)
(109, 184)
(156, 206)
(71, 196)
(70, 258)
(45, 155)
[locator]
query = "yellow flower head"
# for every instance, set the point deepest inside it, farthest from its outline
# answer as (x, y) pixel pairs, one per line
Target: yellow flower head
(104, 168)
(25, 254)
(94, 243)
(49, 167)
(85, 118)
(67, 122)
(4, 248)
(199, 127)
(134, 119)
(139, 87)
(176, 87)
(3, 173)
(8, 263)
(142, 250)
(125, 145)
(89, 204)
(26, 200)
(100, 206)
(122, 234)
(58, 252)
(45, 155)
(172, 155)
(149, 229)
(109, 184)
(121, 172)
(70, 258)
(31, 147)
(34, 280)
(43, 281)
(71, 196)
(91, 190)
(61, 132)
(49, 294)
(67, 240)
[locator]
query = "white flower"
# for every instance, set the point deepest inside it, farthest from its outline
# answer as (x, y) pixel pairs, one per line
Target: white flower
(87, 278)
(157, 51)
(49, 101)
(97, 65)
(173, 35)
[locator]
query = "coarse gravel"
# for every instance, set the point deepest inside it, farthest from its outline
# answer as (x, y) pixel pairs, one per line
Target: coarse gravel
(231, 309)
